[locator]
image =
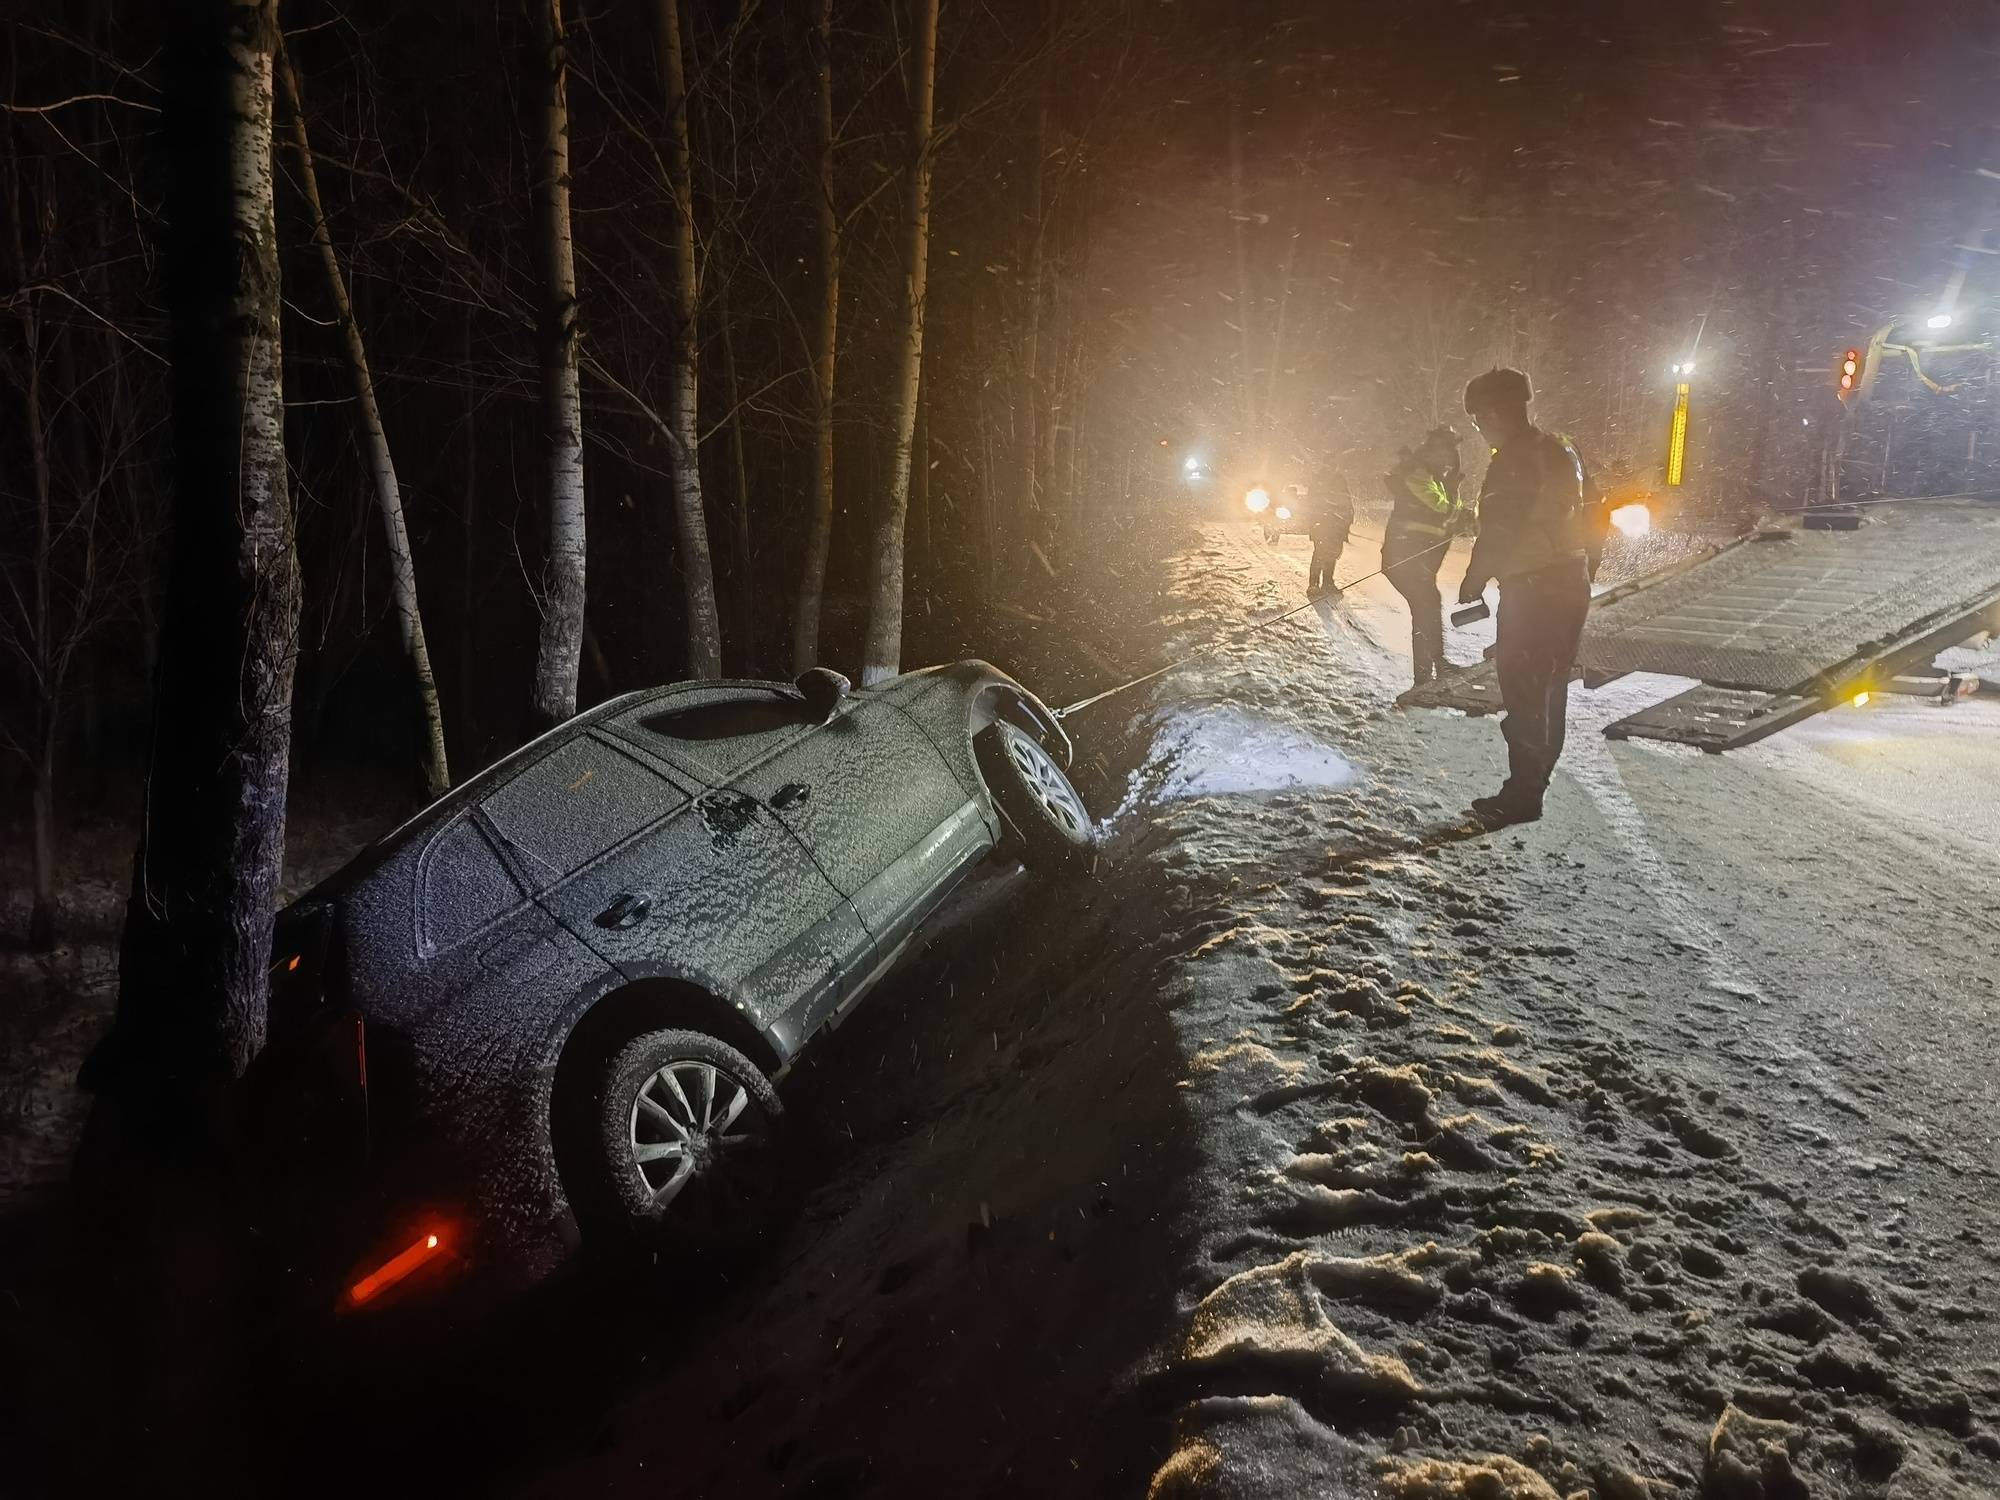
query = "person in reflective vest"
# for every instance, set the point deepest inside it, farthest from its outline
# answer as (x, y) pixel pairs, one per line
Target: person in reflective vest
(1532, 539)
(1425, 513)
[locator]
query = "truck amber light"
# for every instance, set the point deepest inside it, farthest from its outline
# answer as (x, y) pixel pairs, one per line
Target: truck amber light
(1632, 520)
(393, 1270)
(1860, 700)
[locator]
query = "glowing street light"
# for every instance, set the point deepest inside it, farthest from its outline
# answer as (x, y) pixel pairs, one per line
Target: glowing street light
(1258, 500)
(1192, 465)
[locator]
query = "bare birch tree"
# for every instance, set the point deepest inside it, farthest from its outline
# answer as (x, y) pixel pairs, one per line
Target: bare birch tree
(381, 464)
(196, 945)
(819, 536)
(553, 696)
(882, 653)
(704, 636)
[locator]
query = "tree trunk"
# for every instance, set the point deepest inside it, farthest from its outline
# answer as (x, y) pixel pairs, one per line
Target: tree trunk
(381, 466)
(553, 696)
(41, 646)
(882, 654)
(819, 536)
(468, 560)
(746, 618)
(196, 946)
(42, 805)
(1030, 411)
(36, 647)
(704, 635)
(920, 492)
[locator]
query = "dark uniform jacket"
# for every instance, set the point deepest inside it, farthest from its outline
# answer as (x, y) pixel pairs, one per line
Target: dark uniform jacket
(1530, 508)
(1329, 508)
(1423, 504)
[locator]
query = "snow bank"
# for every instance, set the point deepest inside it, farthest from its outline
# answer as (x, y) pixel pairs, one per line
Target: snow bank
(1510, 1185)
(1219, 750)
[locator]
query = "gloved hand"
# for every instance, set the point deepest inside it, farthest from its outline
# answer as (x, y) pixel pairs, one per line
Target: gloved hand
(1472, 590)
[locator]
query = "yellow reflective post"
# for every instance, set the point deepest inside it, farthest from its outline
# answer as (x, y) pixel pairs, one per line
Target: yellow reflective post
(1677, 438)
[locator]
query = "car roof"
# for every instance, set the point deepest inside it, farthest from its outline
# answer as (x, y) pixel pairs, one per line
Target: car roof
(503, 769)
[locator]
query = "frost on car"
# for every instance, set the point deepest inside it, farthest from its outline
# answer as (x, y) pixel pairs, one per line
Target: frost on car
(552, 1006)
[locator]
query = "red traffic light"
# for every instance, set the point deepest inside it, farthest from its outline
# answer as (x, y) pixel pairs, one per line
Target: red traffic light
(1850, 370)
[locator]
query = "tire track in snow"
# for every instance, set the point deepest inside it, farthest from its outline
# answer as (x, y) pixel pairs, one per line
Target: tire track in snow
(1588, 761)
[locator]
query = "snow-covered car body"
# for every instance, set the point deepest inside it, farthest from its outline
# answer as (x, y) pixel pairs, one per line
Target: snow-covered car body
(706, 854)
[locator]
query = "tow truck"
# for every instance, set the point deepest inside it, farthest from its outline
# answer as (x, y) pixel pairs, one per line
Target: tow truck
(1849, 596)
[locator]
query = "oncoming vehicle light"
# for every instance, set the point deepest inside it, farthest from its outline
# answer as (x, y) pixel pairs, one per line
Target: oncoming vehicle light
(1284, 513)
(394, 1269)
(1860, 700)
(1258, 500)
(1632, 520)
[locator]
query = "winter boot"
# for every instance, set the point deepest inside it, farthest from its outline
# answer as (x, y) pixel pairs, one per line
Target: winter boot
(1508, 805)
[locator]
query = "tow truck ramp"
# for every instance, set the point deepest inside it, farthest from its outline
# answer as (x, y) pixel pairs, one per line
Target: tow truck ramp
(1783, 622)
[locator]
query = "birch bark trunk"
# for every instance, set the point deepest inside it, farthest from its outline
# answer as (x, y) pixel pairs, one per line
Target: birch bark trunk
(704, 635)
(553, 693)
(381, 464)
(883, 652)
(819, 537)
(196, 946)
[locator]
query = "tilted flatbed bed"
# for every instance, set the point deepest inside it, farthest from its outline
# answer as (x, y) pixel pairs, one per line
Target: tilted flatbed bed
(1783, 622)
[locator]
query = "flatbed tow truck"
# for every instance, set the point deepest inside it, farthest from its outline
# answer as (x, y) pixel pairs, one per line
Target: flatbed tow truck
(1796, 616)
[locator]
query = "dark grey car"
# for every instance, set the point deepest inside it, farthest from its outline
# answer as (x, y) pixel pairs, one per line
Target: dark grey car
(560, 995)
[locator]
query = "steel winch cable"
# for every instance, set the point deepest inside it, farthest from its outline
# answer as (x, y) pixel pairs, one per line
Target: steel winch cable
(1240, 633)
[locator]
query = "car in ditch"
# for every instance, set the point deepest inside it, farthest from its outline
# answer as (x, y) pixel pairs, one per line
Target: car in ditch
(552, 1008)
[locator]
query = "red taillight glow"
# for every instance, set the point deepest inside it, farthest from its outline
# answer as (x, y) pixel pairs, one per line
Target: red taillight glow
(290, 967)
(393, 1270)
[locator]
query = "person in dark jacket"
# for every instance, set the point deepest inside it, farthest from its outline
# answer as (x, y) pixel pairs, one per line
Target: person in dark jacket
(1425, 512)
(1532, 539)
(1597, 510)
(1329, 517)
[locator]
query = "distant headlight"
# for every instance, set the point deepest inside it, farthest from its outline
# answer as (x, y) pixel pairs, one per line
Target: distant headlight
(1258, 500)
(1284, 513)
(1633, 519)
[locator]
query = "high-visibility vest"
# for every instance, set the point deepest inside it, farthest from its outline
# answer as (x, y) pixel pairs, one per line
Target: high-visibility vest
(1436, 507)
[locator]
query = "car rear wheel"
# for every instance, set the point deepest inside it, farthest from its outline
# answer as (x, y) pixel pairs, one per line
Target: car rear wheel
(1049, 820)
(689, 1141)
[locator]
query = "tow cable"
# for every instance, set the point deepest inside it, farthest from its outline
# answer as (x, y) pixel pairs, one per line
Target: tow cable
(1240, 633)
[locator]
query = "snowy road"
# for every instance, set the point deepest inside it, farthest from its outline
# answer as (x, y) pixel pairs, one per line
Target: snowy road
(1649, 1147)
(1328, 1147)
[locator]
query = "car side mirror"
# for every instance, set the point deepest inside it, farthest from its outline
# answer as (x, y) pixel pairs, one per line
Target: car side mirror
(823, 689)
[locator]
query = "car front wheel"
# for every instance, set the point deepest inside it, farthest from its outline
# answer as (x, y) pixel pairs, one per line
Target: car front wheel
(689, 1141)
(1036, 799)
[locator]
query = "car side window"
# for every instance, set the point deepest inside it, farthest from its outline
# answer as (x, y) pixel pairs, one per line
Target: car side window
(575, 803)
(465, 886)
(725, 735)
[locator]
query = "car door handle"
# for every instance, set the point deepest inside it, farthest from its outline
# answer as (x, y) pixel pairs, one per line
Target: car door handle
(790, 792)
(629, 910)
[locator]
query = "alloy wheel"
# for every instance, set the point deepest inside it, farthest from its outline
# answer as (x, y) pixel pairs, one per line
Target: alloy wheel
(701, 1144)
(1043, 780)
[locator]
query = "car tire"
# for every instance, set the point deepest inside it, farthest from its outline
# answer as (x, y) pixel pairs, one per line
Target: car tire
(689, 1144)
(1050, 826)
